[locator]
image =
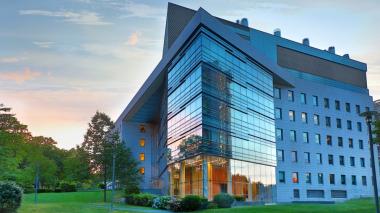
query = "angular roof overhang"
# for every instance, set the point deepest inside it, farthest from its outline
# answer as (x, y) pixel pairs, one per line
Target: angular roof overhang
(145, 103)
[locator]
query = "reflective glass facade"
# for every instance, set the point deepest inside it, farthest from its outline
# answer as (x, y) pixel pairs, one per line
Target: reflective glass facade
(221, 129)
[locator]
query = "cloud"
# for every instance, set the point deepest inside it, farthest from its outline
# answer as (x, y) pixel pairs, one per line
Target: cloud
(139, 10)
(133, 39)
(43, 44)
(19, 76)
(81, 18)
(12, 59)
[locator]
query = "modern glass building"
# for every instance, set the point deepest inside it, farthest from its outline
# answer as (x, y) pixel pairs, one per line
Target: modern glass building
(233, 109)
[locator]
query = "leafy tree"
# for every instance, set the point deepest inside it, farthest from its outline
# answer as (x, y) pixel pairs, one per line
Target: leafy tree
(76, 167)
(376, 131)
(96, 145)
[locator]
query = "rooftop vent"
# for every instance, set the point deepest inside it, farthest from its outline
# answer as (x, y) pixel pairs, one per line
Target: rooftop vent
(346, 55)
(277, 32)
(306, 41)
(238, 21)
(332, 49)
(244, 22)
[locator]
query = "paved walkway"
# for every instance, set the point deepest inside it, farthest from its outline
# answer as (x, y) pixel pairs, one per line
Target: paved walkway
(128, 208)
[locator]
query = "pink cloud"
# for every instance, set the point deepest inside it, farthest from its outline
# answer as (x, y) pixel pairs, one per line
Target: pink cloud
(19, 76)
(133, 39)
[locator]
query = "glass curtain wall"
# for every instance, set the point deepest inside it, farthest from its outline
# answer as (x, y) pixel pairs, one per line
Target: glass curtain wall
(220, 122)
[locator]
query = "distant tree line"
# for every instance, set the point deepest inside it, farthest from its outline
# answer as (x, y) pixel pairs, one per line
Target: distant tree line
(23, 155)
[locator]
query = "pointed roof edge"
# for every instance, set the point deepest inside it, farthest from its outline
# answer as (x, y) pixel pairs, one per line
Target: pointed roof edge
(201, 17)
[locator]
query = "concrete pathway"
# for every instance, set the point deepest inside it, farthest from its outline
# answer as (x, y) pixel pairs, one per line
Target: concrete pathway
(132, 209)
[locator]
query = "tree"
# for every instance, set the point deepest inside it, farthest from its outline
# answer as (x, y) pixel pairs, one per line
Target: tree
(126, 167)
(96, 145)
(76, 167)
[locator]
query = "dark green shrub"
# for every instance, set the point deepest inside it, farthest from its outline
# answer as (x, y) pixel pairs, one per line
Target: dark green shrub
(68, 187)
(223, 200)
(176, 205)
(191, 203)
(57, 190)
(130, 189)
(10, 197)
(204, 203)
(212, 205)
(144, 199)
(239, 198)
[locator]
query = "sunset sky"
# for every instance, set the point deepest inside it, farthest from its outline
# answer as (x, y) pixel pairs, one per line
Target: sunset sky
(61, 60)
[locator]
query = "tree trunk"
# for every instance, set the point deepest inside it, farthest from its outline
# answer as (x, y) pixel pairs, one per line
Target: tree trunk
(105, 183)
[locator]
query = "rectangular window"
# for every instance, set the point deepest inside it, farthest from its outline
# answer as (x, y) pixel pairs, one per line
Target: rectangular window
(337, 105)
(338, 194)
(280, 155)
(319, 158)
(305, 137)
(349, 125)
(362, 162)
(313, 193)
(331, 159)
(352, 161)
(315, 100)
(316, 119)
(359, 126)
(364, 180)
(340, 141)
(303, 98)
(308, 177)
(294, 156)
(341, 160)
(290, 95)
(281, 176)
(357, 109)
(142, 170)
(304, 117)
(142, 156)
(292, 134)
(292, 116)
(343, 179)
(328, 121)
(142, 142)
(367, 109)
(350, 143)
(332, 178)
(277, 93)
(339, 123)
(295, 177)
(320, 178)
(361, 145)
(278, 113)
(307, 157)
(317, 138)
(296, 193)
(348, 107)
(279, 134)
(142, 128)
(353, 179)
(326, 103)
(329, 140)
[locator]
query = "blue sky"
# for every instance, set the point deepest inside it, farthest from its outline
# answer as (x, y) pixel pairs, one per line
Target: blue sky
(61, 60)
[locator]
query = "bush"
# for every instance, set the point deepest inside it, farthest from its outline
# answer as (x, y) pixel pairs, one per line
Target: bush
(176, 205)
(239, 198)
(140, 199)
(204, 203)
(101, 186)
(162, 202)
(223, 200)
(10, 197)
(191, 203)
(131, 189)
(68, 187)
(212, 205)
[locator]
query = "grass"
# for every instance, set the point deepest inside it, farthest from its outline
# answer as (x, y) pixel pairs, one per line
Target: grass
(351, 206)
(72, 202)
(86, 202)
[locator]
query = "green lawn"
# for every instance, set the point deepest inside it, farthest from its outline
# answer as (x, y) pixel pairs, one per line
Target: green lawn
(71, 202)
(352, 206)
(86, 202)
